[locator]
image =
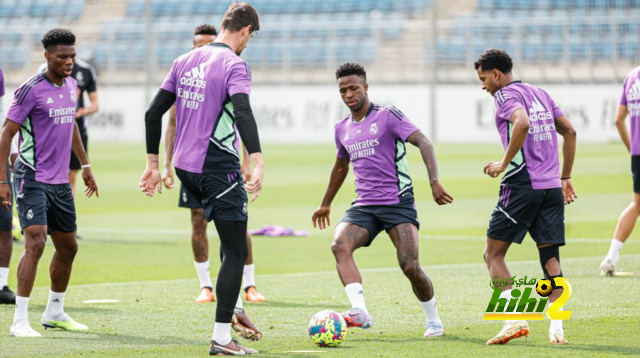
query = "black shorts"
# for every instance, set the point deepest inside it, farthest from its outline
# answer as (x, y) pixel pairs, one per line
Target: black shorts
(539, 212)
(74, 163)
(45, 204)
(188, 200)
(222, 196)
(6, 216)
(635, 172)
(376, 218)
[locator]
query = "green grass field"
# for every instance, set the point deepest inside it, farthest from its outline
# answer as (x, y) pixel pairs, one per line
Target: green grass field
(137, 250)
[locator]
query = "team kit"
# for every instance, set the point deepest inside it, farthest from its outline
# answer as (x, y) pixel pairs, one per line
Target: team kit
(213, 141)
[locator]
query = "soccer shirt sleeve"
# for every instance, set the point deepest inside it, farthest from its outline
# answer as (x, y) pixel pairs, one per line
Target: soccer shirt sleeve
(239, 80)
(22, 105)
(399, 125)
(557, 112)
(506, 105)
(91, 86)
(169, 83)
(341, 152)
(623, 98)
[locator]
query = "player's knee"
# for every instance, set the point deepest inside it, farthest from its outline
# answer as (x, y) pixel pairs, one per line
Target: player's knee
(339, 247)
(410, 267)
(550, 261)
(35, 245)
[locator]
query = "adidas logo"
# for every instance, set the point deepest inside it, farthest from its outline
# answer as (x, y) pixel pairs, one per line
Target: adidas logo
(346, 137)
(56, 301)
(634, 91)
(49, 101)
(537, 112)
(195, 77)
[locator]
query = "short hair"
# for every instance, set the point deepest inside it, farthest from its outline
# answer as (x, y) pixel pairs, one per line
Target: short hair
(240, 15)
(58, 37)
(205, 29)
(348, 69)
(494, 59)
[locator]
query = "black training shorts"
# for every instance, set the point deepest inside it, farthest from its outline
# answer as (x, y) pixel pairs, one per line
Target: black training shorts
(45, 204)
(222, 196)
(537, 211)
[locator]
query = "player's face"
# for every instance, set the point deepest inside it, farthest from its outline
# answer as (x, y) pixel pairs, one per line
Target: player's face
(490, 80)
(246, 35)
(353, 90)
(61, 59)
(201, 40)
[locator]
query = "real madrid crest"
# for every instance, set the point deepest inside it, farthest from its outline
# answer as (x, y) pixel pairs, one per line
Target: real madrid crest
(373, 129)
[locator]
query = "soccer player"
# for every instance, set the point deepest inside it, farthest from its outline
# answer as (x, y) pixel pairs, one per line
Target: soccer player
(87, 79)
(629, 106)
(43, 110)
(212, 86)
(373, 139)
(6, 222)
(532, 193)
(203, 35)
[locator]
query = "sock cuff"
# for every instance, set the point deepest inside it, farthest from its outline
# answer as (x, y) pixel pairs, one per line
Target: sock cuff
(353, 286)
(22, 299)
(201, 264)
(432, 300)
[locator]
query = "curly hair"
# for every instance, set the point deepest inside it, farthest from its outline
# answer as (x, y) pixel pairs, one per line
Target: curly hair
(205, 29)
(58, 37)
(494, 59)
(348, 69)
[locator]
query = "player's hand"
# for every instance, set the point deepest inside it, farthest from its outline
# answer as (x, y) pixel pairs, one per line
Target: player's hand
(568, 191)
(91, 186)
(80, 113)
(254, 186)
(150, 180)
(320, 217)
(494, 169)
(440, 195)
(5, 196)
(246, 176)
(167, 178)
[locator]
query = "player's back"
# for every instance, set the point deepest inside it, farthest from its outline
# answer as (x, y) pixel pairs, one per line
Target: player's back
(203, 81)
(539, 155)
(631, 98)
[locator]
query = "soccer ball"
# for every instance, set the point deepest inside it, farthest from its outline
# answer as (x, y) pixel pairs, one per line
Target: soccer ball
(16, 230)
(544, 288)
(327, 329)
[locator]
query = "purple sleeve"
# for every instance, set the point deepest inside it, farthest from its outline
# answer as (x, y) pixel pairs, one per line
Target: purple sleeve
(557, 112)
(342, 152)
(22, 105)
(399, 125)
(239, 79)
(623, 98)
(1, 83)
(505, 106)
(169, 83)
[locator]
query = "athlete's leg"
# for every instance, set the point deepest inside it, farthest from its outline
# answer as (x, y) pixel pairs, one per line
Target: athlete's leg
(73, 173)
(405, 240)
(494, 254)
(347, 238)
(34, 242)
(250, 250)
(199, 240)
(249, 274)
(624, 228)
(6, 246)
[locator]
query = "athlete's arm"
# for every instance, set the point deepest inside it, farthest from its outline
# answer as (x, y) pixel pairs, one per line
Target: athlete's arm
(421, 141)
(87, 175)
(248, 129)
(245, 169)
(169, 141)
(92, 108)
(565, 129)
(8, 131)
(621, 117)
(338, 175)
(519, 133)
(151, 178)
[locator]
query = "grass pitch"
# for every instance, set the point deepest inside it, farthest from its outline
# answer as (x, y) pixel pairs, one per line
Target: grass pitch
(137, 250)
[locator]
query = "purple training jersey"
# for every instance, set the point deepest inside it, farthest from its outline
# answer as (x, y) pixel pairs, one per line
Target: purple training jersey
(46, 114)
(204, 81)
(537, 164)
(631, 99)
(1, 83)
(375, 147)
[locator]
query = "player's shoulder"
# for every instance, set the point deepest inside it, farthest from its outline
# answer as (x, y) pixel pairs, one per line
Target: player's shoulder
(633, 74)
(512, 91)
(389, 110)
(85, 67)
(342, 122)
(31, 83)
